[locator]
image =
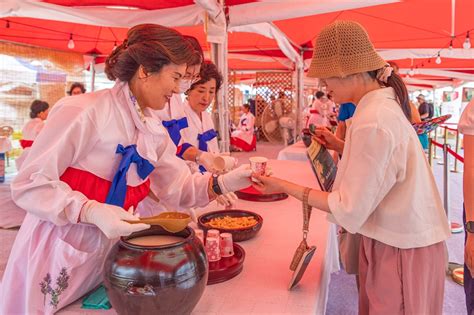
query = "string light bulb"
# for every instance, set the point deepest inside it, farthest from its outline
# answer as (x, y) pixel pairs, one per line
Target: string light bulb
(8, 24)
(450, 49)
(438, 59)
(115, 46)
(411, 72)
(467, 42)
(70, 43)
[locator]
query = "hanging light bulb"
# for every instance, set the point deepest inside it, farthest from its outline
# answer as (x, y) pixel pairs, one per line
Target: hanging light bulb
(438, 59)
(467, 42)
(115, 46)
(8, 24)
(411, 72)
(450, 49)
(70, 43)
(416, 70)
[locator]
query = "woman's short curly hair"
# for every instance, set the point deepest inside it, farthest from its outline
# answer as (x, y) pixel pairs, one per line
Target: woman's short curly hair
(208, 71)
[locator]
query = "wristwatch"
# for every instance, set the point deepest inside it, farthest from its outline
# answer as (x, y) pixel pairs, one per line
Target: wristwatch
(215, 185)
(470, 226)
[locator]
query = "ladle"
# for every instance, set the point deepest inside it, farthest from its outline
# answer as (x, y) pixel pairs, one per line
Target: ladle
(170, 221)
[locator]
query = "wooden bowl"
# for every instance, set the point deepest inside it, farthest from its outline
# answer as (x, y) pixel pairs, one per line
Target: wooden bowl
(238, 235)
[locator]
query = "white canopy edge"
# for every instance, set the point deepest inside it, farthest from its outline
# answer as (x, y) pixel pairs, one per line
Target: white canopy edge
(434, 83)
(424, 53)
(274, 10)
(271, 31)
(174, 17)
(444, 73)
(102, 16)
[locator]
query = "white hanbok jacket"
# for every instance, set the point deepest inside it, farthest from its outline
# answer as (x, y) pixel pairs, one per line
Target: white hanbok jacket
(29, 133)
(199, 126)
(171, 114)
(83, 133)
(245, 129)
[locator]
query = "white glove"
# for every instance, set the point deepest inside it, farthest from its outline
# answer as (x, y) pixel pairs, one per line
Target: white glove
(206, 159)
(227, 200)
(109, 219)
(235, 180)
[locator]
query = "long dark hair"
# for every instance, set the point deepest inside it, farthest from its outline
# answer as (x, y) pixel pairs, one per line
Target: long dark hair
(152, 46)
(395, 81)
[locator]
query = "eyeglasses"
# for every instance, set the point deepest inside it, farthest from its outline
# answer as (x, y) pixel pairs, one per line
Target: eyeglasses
(195, 78)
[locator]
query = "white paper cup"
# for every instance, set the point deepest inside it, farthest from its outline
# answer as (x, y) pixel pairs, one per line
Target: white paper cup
(212, 249)
(226, 245)
(258, 164)
(224, 163)
(213, 233)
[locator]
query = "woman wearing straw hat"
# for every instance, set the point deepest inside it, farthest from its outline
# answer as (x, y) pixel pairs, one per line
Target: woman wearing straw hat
(384, 189)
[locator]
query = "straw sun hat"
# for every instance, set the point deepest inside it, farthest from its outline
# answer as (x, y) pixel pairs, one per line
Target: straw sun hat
(343, 48)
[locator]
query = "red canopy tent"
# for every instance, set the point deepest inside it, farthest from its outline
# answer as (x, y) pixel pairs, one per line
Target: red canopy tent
(412, 32)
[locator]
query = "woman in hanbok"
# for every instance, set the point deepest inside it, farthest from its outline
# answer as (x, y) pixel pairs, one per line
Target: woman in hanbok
(243, 138)
(321, 110)
(384, 188)
(201, 133)
(174, 118)
(99, 156)
(38, 113)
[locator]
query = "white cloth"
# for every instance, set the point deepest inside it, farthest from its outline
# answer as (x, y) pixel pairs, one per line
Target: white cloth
(32, 128)
(294, 152)
(466, 122)
(198, 125)
(83, 132)
(173, 110)
(245, 129)
(384, 188)
(29, 132)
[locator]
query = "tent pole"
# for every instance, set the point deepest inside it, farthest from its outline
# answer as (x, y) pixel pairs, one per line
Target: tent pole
(93, 74)
(219, 57)
(299, 95)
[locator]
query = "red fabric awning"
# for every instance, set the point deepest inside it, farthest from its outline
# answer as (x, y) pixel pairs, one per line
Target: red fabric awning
(407, 24)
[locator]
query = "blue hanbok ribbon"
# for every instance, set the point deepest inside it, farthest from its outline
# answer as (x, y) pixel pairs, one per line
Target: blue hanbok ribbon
(174, 127)
(205, 137)
(118, 189)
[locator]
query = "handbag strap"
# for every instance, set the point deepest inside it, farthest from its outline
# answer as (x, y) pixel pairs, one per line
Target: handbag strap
(306, 212)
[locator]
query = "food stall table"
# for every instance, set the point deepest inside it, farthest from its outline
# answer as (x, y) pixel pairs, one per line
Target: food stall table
(294, 152)
(262, 286)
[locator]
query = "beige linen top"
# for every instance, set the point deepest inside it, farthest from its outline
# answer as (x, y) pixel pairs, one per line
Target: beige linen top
(384, 188)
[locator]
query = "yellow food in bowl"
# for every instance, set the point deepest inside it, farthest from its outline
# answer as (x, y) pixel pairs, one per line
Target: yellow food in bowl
(228, 222)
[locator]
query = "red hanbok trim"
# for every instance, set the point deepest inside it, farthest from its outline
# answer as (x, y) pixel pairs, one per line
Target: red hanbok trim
(96, 188)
